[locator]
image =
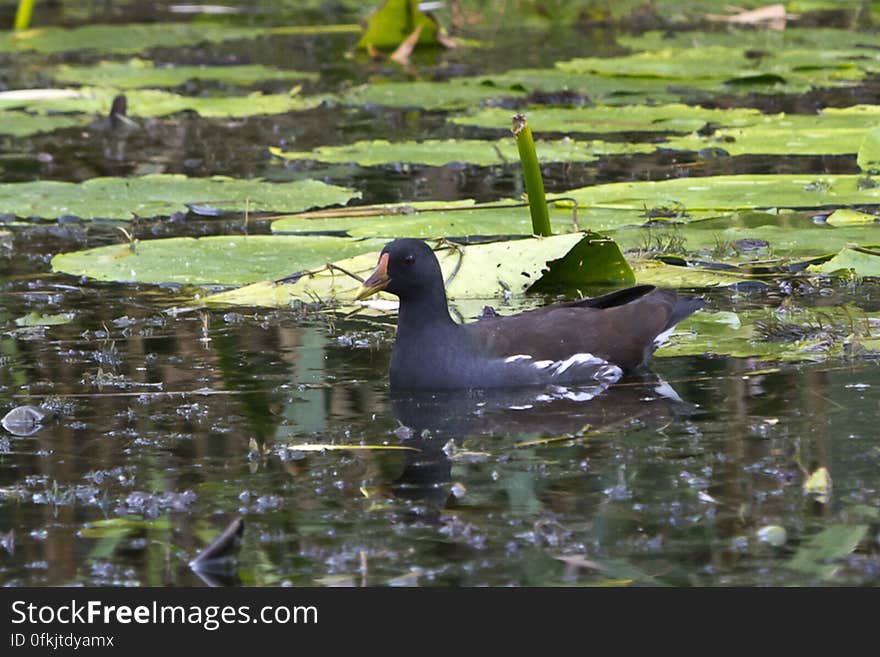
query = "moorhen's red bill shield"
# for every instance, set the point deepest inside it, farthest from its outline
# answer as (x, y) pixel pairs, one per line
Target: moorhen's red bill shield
(583, 341)
(377, 281)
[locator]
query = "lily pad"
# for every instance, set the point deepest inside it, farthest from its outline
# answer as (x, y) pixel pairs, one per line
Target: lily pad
(163, 194)
(136, 37)
(801, 335)
(427, 95)
(859, 260)
(483, 271)
(139, 73)
(38, 319)
(426, 220)
(220, 259)
(22, 124)
(788, 70)
(721, 194)
(869, 152)
(435, 152)
(604, 118)
(815, 557)
(155, 102)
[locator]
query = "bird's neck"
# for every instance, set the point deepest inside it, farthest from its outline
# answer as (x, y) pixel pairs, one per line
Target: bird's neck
(424, 312)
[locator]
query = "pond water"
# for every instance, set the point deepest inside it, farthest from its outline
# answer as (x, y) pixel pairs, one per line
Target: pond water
(165, 426)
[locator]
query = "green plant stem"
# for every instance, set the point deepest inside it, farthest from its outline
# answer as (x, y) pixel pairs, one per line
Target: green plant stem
(23, 15)
(525, 144)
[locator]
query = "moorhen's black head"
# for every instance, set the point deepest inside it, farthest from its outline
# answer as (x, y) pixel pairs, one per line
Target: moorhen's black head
(407, 268)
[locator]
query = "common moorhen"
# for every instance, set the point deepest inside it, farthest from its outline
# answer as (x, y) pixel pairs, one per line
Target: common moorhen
(584, 341)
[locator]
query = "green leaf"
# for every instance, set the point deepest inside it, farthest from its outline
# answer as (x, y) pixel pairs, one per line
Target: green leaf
(138, 73)
(605, 118)
(436, 152)
(869, 152)
(22, 124)
(720, 194)
(394, 21)
(163, 194)
(428, 219)
(859, 260)
(800, 335)
(154, 102)
(816, 556)
(136, 37)
(35, 318)
(426, 95)
(484, 271)
(221, 259)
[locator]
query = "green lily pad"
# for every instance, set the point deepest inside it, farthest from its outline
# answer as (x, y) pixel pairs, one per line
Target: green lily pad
(776, 239)
(426, 220)
(869, 152)
(816, 555)
(721, 194)
(155, 102)
(832, 132)
(844, 217)
(788, 70)
(139, 73)
(603, 118)
(38, 319)
(427, 95)
(435, 152)
(800, 335)
(394, 21)
(656, 272)
(136, 37)
(163, 194)
(861, 261)
(480, 271)
(22, 124)
(221, 259)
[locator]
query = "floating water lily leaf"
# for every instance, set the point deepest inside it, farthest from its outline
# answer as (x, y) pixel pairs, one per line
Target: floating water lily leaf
(832, 132)
(595, 260)
(38, 319)
(815, 556)
(869, 152)
(23, 420)
(604, 118)
(163, 194)
(155, 102)
(135, 37)
(784, 70)
(427, 95)
(722, 194)
(138, 73)
(21, 124)
(426, 219)
(759, 240)
(656, 272)
(435, 152)
(220, 259)
(798, 336)
(394, 21)
(845, 217)
(488, 271)
(599, 89)
(861, 261)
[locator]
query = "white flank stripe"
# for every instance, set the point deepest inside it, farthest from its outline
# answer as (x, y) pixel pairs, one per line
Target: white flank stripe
(576, 359)
(513, 359)
(660, 339)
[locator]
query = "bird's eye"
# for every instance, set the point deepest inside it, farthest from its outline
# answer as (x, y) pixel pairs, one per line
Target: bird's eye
(409, 259)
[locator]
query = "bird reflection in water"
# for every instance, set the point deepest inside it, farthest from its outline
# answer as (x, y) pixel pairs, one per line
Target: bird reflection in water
(431, 420)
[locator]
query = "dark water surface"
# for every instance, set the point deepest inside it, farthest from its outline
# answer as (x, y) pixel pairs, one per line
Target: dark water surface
(168, 425)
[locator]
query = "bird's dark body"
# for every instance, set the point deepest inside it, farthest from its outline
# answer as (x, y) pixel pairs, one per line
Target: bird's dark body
(580, 341)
